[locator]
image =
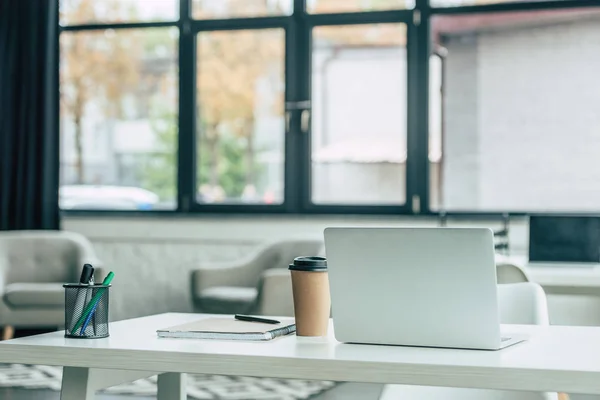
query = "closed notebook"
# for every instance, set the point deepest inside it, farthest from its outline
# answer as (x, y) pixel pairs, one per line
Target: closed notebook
(228, 329)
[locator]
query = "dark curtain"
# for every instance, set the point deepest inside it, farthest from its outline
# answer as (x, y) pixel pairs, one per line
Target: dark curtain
(28, 114)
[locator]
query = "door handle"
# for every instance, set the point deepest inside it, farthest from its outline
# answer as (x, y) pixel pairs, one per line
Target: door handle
(304, 120)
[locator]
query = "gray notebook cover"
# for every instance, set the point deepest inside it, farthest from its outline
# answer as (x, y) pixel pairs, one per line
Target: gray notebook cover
(228, 328)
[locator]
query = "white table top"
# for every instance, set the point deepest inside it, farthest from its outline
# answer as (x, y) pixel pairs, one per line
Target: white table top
(555, 358)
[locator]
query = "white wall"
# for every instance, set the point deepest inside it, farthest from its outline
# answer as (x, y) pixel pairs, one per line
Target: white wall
(521, 129)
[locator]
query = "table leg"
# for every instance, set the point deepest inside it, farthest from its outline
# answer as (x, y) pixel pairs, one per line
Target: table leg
(171, 386)
(76, 384)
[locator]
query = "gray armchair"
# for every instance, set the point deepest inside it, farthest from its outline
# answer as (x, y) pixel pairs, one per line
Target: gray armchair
(257, 284)
(33, 267)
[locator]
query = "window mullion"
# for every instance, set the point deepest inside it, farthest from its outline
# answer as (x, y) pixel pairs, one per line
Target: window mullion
(186, 162)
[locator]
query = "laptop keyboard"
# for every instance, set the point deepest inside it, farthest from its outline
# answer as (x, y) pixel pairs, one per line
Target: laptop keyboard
(504, 339)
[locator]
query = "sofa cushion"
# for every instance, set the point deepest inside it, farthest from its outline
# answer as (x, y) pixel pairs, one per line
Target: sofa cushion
(227, 299)
(34, 295)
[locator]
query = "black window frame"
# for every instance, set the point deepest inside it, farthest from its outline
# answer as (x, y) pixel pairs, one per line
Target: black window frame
(298, 49)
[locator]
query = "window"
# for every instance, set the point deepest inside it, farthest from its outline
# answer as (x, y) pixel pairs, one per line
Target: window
(359, 114)
(458, 3)
(436, 88)
(240, 8)
(521, 132)
(118, 119)
(76, 12)
(329, 106)
(241, 130)
(338, 6)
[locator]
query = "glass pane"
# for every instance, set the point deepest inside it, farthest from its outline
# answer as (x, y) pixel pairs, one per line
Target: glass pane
(204, 9)
(359, 114)
(118, 119)
(435, 128)
(338, 6)
(457, 3)
(520, 120)
(75, 12)
(241, 132)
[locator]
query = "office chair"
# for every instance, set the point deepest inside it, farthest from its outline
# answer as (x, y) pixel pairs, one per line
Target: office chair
(507, 272)
(257, 284)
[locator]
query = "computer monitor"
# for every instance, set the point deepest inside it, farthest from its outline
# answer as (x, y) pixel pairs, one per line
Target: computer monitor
(564, 238)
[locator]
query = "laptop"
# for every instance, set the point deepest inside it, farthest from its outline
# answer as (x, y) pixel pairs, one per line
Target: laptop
(431, 287)
(564, 240)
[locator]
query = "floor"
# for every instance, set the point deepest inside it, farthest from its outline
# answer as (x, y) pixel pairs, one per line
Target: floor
(345, 391)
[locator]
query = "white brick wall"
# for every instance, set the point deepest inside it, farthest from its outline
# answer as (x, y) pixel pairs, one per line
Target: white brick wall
(461, 169)
(533, 94)
(153, 276)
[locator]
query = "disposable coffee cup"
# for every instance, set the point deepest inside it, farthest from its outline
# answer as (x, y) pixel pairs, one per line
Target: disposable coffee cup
(312, 303)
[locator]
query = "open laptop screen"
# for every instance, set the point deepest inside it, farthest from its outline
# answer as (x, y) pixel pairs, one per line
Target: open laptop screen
(563, 238)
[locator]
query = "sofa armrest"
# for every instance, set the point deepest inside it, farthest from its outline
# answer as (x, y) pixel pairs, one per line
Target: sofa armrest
(3, 270)
(275, 293)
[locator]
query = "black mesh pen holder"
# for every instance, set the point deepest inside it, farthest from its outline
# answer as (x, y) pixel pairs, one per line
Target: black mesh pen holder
(86, 311)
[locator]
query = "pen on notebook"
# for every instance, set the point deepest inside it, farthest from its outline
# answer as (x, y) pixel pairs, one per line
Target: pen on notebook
(250, 318)
(91, 305)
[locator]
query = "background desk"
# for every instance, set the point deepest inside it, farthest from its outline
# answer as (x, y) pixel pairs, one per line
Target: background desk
(561, 278)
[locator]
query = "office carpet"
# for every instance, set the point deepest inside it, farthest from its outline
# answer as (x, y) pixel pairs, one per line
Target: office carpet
(200, 387)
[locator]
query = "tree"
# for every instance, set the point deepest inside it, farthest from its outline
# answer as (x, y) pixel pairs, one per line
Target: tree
(230, 66)
(96, 67)
(159, 173)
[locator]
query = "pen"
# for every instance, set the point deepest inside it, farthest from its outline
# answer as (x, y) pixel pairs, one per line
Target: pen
(95, 300)
(250, 318)
(87, 320)
(89, 291)
(87, 273)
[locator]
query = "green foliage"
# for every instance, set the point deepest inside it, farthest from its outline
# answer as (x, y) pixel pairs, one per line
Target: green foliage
(159, 172)
(231, 165)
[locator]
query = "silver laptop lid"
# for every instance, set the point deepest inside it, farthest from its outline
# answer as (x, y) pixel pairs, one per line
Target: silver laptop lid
(414, 286)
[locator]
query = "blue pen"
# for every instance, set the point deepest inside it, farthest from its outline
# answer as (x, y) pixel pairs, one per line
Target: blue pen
(97, 298)
(89, 317)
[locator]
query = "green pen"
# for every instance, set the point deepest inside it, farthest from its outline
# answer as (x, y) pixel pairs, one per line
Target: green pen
(95, 299)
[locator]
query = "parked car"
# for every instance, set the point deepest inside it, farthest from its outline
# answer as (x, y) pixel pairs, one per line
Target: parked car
(104, 197)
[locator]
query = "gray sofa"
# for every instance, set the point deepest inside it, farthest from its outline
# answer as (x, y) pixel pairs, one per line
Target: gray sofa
(33, 267)
(257, 284)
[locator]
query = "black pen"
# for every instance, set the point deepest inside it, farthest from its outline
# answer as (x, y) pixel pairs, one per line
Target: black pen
(87, 274)
(250, 318)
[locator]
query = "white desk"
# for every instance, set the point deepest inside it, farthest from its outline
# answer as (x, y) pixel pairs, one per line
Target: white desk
(569, 279)
(554, 359)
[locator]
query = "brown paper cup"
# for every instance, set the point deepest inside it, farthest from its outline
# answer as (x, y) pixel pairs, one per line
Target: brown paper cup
(312, 303)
